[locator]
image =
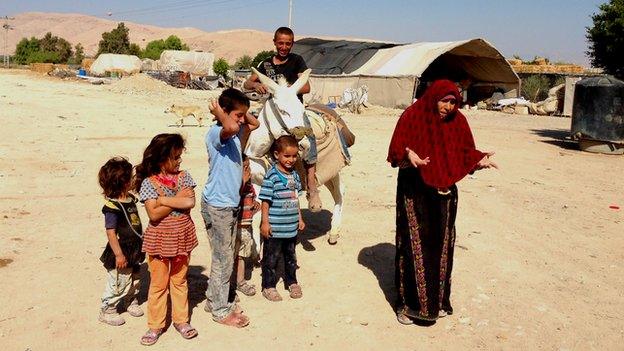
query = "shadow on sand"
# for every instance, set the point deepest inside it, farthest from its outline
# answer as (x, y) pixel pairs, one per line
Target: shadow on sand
(557, 137)
(380, 260)
(317, 225)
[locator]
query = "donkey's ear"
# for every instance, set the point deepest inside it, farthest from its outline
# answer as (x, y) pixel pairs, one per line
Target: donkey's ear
(302, 80)
(265, 80)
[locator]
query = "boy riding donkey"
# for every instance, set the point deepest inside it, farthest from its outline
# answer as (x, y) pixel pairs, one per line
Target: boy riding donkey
(290, 66)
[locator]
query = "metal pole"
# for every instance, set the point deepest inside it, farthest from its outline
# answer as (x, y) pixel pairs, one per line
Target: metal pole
(290, 14)
(7, 27)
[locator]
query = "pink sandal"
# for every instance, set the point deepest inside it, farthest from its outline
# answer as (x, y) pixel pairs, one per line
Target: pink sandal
(186, 330)
(150, 337)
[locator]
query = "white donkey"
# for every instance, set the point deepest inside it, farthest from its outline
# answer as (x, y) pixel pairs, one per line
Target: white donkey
(283, 114)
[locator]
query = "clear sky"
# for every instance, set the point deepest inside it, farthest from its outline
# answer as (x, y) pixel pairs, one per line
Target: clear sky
(550, 28)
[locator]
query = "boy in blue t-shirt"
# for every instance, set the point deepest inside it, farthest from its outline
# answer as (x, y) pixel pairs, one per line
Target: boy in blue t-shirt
(221, 198)
(281, 219)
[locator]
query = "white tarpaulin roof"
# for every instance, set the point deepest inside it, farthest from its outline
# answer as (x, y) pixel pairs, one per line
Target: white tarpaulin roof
(199, 63)
(115, 62)
(392, 74)
(476, 57)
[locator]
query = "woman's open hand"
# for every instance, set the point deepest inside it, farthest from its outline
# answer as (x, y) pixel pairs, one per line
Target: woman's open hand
(414, 159)
(486, 162)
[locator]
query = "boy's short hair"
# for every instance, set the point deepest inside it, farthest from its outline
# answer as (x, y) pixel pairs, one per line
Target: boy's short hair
(283, 142)
(283, 30)
(232, 98)
(115, 177)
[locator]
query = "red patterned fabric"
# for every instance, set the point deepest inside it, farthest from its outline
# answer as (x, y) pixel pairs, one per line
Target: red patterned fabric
(173, 235)
(447, 142)
(248, 195)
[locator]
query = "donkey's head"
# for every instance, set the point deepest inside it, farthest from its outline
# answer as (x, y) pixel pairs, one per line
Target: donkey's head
(285, 98)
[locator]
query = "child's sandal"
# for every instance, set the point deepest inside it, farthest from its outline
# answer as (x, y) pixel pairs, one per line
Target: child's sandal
(271, 294)
(295, 291)
(186, 330)
(150, 337)
(246, 288)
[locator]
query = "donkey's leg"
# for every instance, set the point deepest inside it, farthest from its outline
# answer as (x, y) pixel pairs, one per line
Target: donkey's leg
(337, 190)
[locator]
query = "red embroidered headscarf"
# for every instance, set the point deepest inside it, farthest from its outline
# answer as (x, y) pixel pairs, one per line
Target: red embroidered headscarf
(446, 141)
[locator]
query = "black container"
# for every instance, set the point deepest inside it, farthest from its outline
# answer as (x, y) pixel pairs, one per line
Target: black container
(598, 110)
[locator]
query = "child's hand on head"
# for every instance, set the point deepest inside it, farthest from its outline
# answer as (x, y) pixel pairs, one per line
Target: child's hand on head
(216, 110)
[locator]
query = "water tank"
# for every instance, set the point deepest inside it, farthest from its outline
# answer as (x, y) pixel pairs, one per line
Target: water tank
(598, 115)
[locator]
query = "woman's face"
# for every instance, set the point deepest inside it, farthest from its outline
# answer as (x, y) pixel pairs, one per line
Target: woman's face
(446, 105)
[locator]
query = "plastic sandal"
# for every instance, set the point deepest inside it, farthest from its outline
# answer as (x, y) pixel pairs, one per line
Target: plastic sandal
(150, 337)
(295, 291)
(246, 288)
(186, 330)
(235, 319)
(271, 294)
(403, 319)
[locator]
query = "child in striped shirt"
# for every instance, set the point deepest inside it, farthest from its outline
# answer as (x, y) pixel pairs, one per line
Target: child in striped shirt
(247, 250)
(281, 219)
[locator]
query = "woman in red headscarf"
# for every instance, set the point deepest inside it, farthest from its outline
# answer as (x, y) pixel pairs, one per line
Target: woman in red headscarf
(433, 147)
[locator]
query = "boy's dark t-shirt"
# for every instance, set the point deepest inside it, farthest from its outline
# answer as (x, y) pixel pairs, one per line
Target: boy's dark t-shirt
(124, 218)
(289, 70)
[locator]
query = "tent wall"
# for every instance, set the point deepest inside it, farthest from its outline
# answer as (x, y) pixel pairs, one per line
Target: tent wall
(115, 62)
(395, 92)
(199, 63)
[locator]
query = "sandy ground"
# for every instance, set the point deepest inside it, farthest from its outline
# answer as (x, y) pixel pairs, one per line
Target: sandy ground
(538, 261)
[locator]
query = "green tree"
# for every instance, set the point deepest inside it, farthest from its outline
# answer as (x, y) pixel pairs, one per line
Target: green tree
(50, 49)
(134, 49)
(61, 47)
(116, 41)
(243, 62)
(156, 47)
(606, 38)
(220, 67)
(24, 49)
(153, 49)
(261, 56)
(78, 54)
(175, 43)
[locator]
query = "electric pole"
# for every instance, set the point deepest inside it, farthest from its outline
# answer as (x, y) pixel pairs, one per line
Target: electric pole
(290, 14)
(6, 27)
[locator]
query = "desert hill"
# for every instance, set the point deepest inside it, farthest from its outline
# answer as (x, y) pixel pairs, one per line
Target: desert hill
(87, 30)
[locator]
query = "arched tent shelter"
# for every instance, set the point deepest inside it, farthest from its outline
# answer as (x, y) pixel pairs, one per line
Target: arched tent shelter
(199, 63)
(128, 64)
(393, 72)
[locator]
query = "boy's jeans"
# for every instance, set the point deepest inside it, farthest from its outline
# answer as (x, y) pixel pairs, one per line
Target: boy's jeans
(273, 248)
(221, 225)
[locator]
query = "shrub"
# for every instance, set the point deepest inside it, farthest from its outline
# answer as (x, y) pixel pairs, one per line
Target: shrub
(261, 56)
(220, 67)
